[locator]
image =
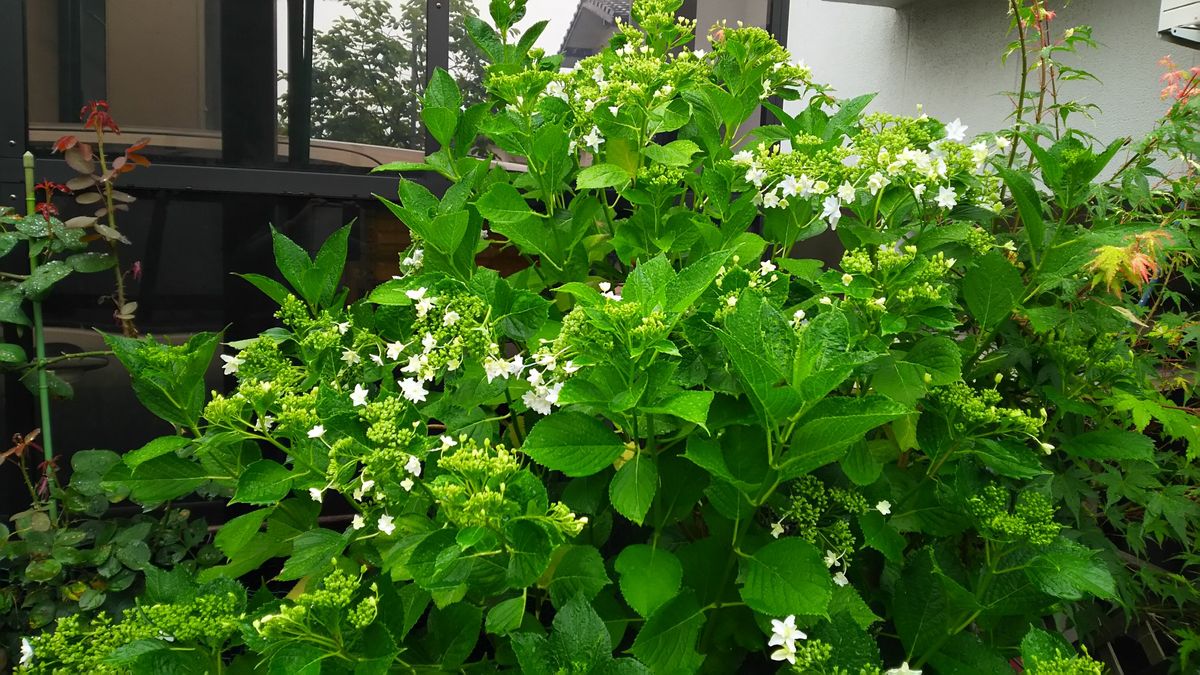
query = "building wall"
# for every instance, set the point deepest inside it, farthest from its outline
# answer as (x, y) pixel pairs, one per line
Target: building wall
(946, 55)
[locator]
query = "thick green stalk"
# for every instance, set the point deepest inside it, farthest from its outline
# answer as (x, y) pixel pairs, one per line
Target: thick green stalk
(39, 340)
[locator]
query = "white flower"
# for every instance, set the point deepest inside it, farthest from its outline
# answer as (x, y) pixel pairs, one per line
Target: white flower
(825, 300)
(1002, 143)
(776, 530)
(789, 186)
(516, 365)
(880, 302)
(316, 432)
(1047, 448)
(407, 484)
(698, 53)
(416, 363)
(884, 507)
(395, 349)
(570, 367)
(413, 465)
(386, 524)
(743, 157)
(363, 489)
(358, 522)
(832, 211)
(784, 633)
(264, 424)
(979, 152)
(852, 161)
(359, 396)
(26, 652)
(447, 443)
(919, 190)
(555, 89)
(494, 367)
(231, 364)
(845, 192)
(947, 198)
(428, 342)
(798, 318)
(840, 579)
(377, 359)
(317, 495)
(424, 304)
(412, 389)
(598, 75)
(416, 295)
(786, 652)
(831, 559)
(805, 185)
(756, 176)
(847, 279)
(902, 670)
(766, 267)
(770, 200)
(876, 182)
(950, 262)
(956, 131)
(731, 301)
(593, 140)
(665, 90)
(350, 357)
(451, 317)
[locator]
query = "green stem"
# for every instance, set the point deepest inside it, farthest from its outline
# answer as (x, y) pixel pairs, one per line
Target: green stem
(39, 339)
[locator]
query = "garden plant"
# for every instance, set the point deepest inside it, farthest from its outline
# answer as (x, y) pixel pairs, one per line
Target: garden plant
(676, 441)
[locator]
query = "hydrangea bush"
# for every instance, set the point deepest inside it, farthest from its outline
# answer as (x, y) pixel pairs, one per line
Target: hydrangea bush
(673, 443)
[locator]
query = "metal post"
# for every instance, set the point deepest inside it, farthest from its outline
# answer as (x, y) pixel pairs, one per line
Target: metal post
(437, 48)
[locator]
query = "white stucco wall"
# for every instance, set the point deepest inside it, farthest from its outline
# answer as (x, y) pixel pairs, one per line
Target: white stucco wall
(946, 54)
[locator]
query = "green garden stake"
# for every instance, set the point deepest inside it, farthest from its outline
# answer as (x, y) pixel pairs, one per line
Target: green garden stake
(39, 339)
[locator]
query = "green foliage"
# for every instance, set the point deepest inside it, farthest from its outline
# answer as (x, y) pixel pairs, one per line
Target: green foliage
(692, 449)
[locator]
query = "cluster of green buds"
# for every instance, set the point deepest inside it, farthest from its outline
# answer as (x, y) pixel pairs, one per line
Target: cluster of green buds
(818, 514)
(977, 411)
(340, 603)
(735, 278)
(1030, 520)
(1066, 664)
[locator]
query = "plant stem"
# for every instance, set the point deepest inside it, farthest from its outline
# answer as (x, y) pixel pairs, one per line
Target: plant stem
(39, 339)
(127, 327)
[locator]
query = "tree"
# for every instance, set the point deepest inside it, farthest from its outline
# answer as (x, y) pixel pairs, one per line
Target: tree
(369, 72)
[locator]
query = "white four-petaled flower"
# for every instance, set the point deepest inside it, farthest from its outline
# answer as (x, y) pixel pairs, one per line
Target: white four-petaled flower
(904, 669)
(412, 389)
(593, 140)
(231, 364)
(386, 524)
(884, 507)
(316, 432)
(26, 652)
(956, 131)
(413, 465)
(784, 635)
(832, 211)
(359, 395)
(840, 579)
(947, 197)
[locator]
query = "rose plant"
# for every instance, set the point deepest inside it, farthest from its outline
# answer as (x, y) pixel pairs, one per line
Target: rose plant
(672, 443)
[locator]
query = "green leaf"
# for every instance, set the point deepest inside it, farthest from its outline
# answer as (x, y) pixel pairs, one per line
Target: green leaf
(925, 603)
(10, 307)
(163, 445)
(599, 176)
(1029, 205)
(881, 536)
(91, 262)
(580, 639)
(43, 279)
(1070, 571)
(235, 534)
(1111, 445)
(263, 482)
(632, 489)
(442, 91)
(675, 154)
(787, 576)
(441, 123)
(293, 263)
(648, 577)
(164, 478)
(505, 616)
(573, 443)
(312, 553)
(691, 406)
(529, 549)
(330, 262)
(579, 570)
(940, 357)
(502, 203)
(992, 289)
(831, 426)
(667, 641)
(691, 282)
(271, 288)
(447, 230)
(11, 354)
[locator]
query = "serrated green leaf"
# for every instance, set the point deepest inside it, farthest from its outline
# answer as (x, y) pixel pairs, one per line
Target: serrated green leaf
(579, 570)
(263, 482)
(992, 289)
(600, 176)
(648, 577)
(633, 487)
(573, 443)
(312, 553)
(1110, 445)
(787, 576)
(667, 641)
